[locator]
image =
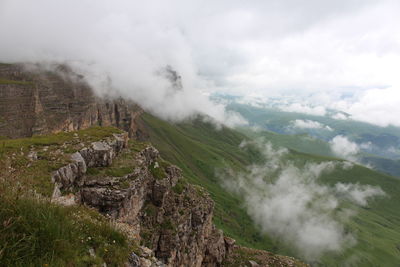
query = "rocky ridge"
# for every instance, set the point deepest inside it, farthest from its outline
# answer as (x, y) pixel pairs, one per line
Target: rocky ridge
(172, 220)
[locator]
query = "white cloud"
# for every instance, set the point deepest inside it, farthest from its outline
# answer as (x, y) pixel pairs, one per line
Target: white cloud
(358, 193)
(301, 108)
(309, 124)
(377, 106)
(343, 147)
(339, 116)
(289, 203)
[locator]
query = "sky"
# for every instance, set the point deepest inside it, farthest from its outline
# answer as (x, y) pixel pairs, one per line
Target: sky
(342, 54)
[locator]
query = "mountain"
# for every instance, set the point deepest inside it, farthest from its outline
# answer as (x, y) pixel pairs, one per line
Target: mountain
(76, 192)
(136, 186)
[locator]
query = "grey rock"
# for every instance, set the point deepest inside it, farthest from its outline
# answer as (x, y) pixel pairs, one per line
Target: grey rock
(92, 253)
(253, 264)
(32, 155)
(133, 261)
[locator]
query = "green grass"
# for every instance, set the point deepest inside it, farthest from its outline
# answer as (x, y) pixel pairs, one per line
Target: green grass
(37, 233)
(158, 170)
(122, 165)
(299, 142)
(377, 228)
(53, 152)
(180, 186)
(88, 135)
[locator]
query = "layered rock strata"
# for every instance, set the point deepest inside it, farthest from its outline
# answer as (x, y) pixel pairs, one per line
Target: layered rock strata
(34, 101)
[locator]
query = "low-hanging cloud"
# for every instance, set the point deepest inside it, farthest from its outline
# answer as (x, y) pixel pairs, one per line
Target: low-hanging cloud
(343, 147)
(300, 108)
(289, 203)
(309, 124)
(122, 49)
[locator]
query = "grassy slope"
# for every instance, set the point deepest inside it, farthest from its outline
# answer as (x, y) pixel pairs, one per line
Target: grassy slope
(53, 152)
(38, 233)
(197, 148)
(377, 227)
(299, 142)
(310, 145)
(35, 232)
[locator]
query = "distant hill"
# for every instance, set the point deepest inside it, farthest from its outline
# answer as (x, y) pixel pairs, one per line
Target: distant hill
(379, 146)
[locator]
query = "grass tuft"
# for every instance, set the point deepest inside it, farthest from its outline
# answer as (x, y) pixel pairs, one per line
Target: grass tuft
(38, 233)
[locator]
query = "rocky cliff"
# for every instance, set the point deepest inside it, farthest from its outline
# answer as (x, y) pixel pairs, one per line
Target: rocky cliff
(172, 219)
(35, 101)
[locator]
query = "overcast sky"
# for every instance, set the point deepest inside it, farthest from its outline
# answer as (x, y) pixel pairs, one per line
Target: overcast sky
(343, 54)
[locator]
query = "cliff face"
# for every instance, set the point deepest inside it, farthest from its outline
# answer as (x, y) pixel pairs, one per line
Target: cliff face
(40, 102)
(172, 219)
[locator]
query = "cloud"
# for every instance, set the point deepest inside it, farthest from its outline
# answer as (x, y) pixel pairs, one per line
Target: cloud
(271, 48)
(376, 106)
(357, 193)
(339, 116)
(300, 108)
(343, 147)
(290, 204)
(309, 124)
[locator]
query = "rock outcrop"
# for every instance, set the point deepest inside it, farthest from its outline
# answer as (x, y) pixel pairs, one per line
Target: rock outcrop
(34, 101)
(171, 219)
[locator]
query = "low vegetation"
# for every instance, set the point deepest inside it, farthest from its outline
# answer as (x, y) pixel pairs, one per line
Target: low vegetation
(52, 151)
(248, 257)
(36, 232)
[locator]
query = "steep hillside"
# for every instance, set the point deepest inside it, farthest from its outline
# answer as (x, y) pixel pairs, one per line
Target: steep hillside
(200, 149)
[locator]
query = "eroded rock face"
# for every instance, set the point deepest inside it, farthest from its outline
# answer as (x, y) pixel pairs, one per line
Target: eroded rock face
(175, 224)
(42, 102)
(99, 154)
